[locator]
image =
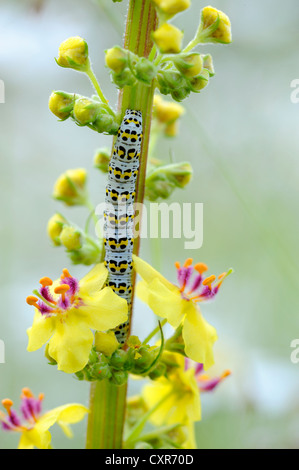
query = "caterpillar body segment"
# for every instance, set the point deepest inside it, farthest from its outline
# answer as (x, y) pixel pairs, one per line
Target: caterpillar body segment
(119, 211)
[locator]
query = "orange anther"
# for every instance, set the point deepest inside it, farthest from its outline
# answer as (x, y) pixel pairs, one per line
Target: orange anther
(201, 267)
(32, 300)
(41, 396)
(7, 404)
(188, 262)
(221, 275)
(208, 281)
(226, 373)
(45, 281)
(66, 273)
(177, 264)
(26, 392)
(62, 289)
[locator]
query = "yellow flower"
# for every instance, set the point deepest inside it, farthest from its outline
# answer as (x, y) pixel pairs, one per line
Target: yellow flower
(70, 187)
(171, 7)
(33, 425)
(215, 26)
(73, 53)
(66, 313)
(168, 39)
(179, 304)
(106, 343)
(178, 394)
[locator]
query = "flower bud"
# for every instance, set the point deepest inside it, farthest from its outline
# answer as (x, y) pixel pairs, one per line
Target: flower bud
(189, 64)
(172, 7)
(71, 238)
(105, 123)
(208, 64)
(119, 377)
(124, 78)
(85, 111)
(145, 70)
(181, 93)
(116, 59)
(162, 181)
(169, 80)
(70, 187)
(180, 174)
(73, 53)
(214, 27)
(200, 82)
(168, 38)
(89, 253)
(166, 111)
(61, 104)
(158, 371)
(54, 228)
(106, 343)
(101, 159)
(100, 371)
(119, 360)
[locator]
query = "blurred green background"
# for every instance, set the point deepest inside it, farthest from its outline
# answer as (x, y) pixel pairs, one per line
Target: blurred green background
(241, 137)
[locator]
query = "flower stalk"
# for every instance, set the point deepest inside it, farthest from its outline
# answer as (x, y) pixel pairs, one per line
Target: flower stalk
(108, 401)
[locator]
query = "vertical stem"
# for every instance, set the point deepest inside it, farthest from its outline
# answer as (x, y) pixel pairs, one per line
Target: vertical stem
(108, 401)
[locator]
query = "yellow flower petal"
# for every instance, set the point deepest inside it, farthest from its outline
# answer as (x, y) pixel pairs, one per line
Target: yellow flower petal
(94, 280)
(166, 303)
(68, 414)
(35, 438)
(41, 331)
(104, 310)
(148, 273)
(71, 344)
(199, 337)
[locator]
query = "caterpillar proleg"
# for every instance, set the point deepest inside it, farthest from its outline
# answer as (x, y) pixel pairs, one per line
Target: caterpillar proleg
(119, 211)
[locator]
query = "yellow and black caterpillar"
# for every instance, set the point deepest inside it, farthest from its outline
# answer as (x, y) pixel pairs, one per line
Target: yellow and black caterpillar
(119, 212)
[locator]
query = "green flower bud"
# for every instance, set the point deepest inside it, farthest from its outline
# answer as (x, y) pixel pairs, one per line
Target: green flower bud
(105, 122)
(200, 82)
(145, 70)
(61, 104)
(119, 377)
(143, 359)
(180, 94)
(124, 78)
(73, 53)
(161, 181)
(93, 357)
(89, 253)
(85, 111)
(119, 360)
(189, 64)
(71, 238)
(155, 189)
(101, 371)
(158, 371)
(170, 80)
(101, 159)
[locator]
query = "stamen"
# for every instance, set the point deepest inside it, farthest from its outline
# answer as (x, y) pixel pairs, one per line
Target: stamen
(225, 374)
(41, 396)
(65, 273)
(62, 289)
(45, 281)
(26, 392)
(7, 404)
(188, 262)
(177, 264)
(208, 281)
(201, 267)
(32, 300)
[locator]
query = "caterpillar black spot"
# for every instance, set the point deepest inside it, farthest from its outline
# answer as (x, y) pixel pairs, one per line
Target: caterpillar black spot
(119, 212)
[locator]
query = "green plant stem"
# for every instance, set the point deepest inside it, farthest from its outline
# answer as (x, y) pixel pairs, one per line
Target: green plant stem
(96, 85)
(154, 332)
(108, 401)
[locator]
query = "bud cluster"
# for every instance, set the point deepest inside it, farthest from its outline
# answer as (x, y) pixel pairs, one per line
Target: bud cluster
(127, 68)
(162, 179)
(108, 361)
(84, 111)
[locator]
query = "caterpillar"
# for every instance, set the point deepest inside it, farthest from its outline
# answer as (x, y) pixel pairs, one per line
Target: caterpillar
(119, 211)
